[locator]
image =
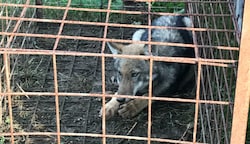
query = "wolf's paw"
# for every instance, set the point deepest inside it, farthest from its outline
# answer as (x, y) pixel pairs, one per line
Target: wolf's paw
(132, 108)
(111, 108)
(127, 110)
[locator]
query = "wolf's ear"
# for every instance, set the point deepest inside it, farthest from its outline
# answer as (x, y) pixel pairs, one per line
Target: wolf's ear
(115, 48)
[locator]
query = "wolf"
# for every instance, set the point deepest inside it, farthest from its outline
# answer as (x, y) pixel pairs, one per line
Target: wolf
(168, 78)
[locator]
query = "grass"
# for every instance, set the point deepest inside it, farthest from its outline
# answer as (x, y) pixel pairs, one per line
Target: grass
(2, 140)
(95, 4)
(167, 6)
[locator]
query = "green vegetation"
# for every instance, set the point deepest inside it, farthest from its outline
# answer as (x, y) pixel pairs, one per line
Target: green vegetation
(2, 140)
(101, 4)
(116, 4)
(167, 6)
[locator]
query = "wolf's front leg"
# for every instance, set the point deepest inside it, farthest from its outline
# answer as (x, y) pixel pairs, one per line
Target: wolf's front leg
(111, 108)
(132, 108)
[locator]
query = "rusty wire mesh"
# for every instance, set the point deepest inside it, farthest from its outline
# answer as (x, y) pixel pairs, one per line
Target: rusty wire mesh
(56, 73)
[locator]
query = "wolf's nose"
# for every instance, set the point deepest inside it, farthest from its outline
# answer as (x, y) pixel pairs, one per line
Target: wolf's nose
(120, 100)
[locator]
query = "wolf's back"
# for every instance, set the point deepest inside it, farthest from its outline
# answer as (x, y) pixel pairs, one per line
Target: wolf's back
(170, 35)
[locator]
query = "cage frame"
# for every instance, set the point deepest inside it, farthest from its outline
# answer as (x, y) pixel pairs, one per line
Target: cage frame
(242, 89)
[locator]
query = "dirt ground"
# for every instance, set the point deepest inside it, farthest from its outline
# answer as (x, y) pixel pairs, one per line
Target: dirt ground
(83, 75)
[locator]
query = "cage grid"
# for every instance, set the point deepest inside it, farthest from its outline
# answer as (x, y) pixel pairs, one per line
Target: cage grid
(56, 73)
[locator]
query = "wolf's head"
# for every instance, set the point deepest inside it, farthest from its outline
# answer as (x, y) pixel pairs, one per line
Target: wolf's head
(132, 74)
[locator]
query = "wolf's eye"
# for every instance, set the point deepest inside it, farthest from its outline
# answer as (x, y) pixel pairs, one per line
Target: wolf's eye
(135, 74)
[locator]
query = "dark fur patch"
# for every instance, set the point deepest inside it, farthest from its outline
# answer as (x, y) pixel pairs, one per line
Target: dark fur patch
(184, 33)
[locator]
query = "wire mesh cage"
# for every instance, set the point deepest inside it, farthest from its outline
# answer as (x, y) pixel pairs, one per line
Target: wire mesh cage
(57, 72)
